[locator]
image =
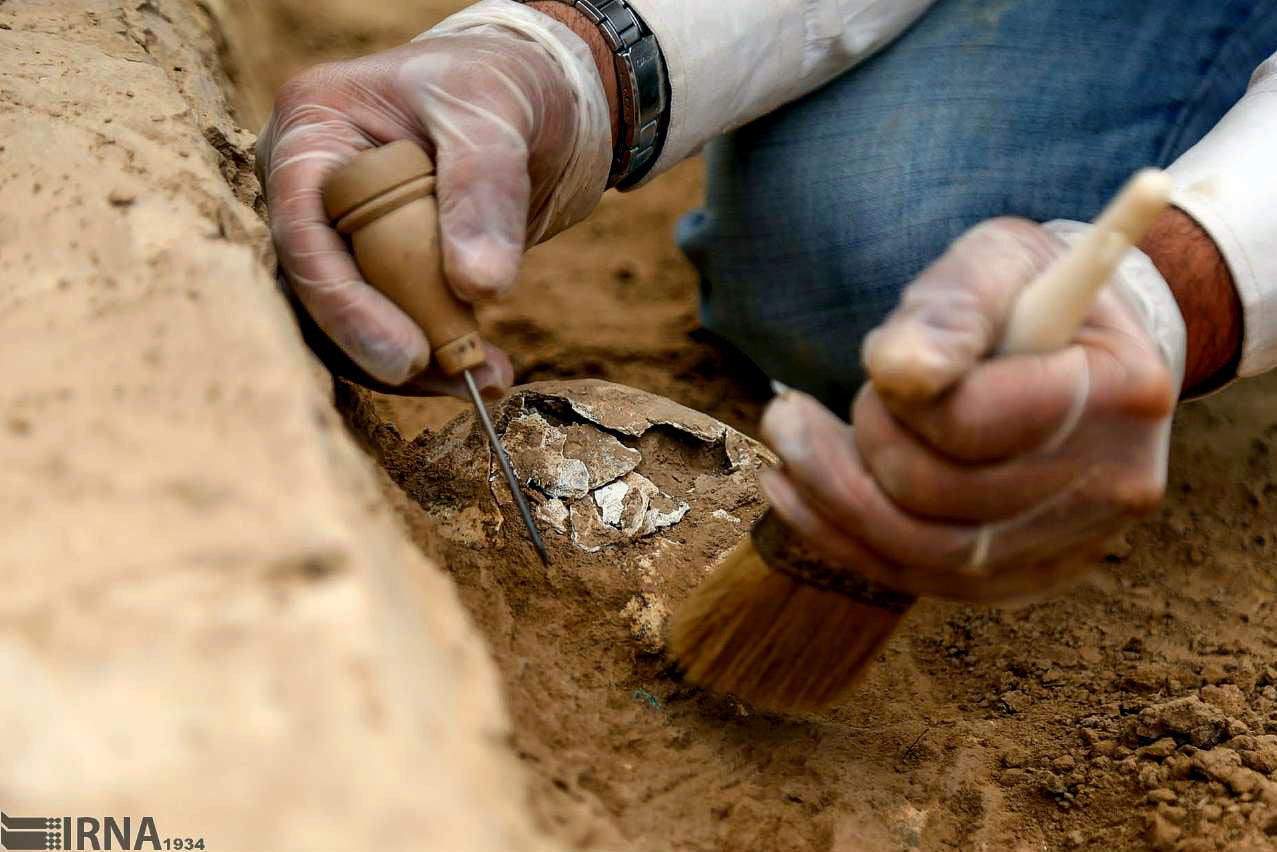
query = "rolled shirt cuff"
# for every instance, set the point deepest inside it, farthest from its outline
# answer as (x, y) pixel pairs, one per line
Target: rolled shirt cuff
(1227, 183)
(1139, 284)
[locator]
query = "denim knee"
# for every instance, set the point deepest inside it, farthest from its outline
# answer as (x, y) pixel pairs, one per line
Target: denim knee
(817, 215)
(798, 264)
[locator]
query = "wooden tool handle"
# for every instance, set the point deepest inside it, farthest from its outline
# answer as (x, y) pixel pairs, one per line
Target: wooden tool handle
(1049, 312)
(383, 200)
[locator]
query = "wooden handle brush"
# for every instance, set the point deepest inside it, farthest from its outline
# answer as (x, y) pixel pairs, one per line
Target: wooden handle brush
(780, 627)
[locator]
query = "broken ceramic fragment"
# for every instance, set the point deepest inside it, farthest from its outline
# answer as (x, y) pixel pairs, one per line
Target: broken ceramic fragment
(565, 462)
(578, 453)
(630, 507)
(554, 514)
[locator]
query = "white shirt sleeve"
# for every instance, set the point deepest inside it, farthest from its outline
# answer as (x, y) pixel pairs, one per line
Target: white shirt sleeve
(731, 62)
(1228, 184)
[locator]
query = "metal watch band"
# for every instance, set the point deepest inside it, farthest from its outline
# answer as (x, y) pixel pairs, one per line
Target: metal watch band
(642, 87)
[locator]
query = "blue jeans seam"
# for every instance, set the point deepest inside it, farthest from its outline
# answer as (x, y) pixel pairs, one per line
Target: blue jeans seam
(1175, 134)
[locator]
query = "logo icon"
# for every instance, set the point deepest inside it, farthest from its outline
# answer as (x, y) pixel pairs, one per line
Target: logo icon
(26, 833)
(80, 833)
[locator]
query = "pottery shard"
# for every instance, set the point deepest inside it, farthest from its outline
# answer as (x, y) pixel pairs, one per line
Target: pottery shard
(628, 411)
(663, 511)
(631, 507)
(589, 532)
(568, 444)
(623, 504)
(604, 456)
(554, 513)
(565, 461)
(1187, 720)
(632, 412)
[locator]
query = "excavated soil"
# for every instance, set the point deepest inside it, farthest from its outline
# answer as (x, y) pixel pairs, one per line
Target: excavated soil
(1137, 711)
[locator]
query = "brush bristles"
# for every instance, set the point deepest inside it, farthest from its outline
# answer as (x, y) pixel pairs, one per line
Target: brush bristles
(771, 641)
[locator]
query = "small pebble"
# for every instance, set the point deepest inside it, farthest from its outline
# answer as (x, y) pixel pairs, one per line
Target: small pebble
(1159, 750)
(1104, 748)
(1015, 757)
(1015, 701)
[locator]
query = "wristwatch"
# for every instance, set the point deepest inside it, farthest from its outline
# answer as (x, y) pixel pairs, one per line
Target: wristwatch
(643, 87)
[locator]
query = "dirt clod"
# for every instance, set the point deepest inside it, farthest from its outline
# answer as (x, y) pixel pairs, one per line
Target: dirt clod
(1186, 720)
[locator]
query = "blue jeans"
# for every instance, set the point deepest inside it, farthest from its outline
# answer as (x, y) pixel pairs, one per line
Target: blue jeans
(817, 215)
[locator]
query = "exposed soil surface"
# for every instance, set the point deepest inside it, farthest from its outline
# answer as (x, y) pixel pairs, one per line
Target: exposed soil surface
(1137, 711)
(210, 614)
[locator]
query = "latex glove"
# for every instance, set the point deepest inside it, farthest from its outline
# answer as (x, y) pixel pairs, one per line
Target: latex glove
(510, 104)
(1008, 475)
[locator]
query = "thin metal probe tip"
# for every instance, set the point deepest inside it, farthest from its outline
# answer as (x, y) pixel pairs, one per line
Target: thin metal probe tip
(504, 460)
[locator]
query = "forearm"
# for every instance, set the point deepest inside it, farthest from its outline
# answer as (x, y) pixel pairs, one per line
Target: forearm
(1203, 287)
(1217, 249)
(730, 65)
(1226, 184)
(583, 27)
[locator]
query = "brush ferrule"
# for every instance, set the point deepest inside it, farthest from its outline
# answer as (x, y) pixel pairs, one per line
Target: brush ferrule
(784, 551)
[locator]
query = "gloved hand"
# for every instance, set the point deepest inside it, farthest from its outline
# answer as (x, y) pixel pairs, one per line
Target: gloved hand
(510, 104)
(1002, 477)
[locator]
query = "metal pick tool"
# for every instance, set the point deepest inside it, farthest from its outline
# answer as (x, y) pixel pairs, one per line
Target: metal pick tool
(383, 200)
(506, 468)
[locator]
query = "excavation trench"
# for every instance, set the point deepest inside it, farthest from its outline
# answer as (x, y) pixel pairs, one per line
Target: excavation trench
(978, 728)
(237, 597)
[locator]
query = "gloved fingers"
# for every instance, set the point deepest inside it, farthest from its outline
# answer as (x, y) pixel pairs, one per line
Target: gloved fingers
(826, 495)
(371, 329)
(1129, 375)
(927, 484)
(1100, 502)
(1002, 409)
(483, 215)
(835, 544)
(954, 313)
(826, 537)
(509, 104)
(820, 459)
(493, 378)
(1022, 581)
(544, 81)
(482, 152)
(1011, 406)
(1011, 579)
(981, 478)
